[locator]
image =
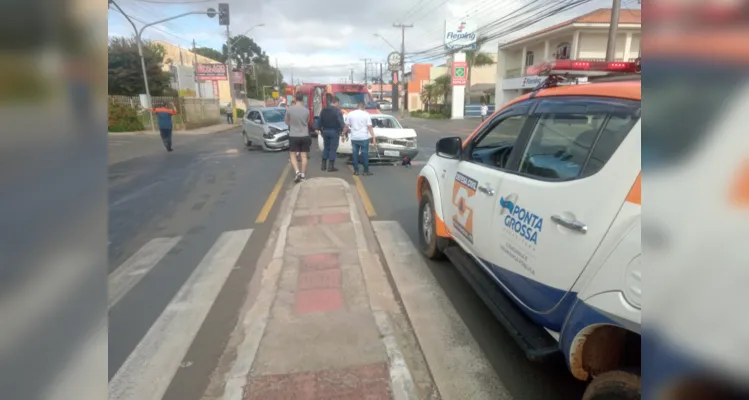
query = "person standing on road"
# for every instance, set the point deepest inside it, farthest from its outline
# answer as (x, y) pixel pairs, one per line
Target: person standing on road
(331, 124)
(164, 116)
(229, 115)
(297, 118)
(359, 125)
(484, 111)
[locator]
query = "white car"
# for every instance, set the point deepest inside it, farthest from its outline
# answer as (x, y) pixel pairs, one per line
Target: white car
(393, 141)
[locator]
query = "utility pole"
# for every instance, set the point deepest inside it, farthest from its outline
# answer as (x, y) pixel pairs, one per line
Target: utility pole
(195, 69)
(277, 73)
(231, 75)
(352, 75)
(403, 57)
(366, 75)
(611, 46)
(380, 81)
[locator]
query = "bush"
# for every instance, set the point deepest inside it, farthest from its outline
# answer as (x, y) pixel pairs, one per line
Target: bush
(123, 119)
(240, 113)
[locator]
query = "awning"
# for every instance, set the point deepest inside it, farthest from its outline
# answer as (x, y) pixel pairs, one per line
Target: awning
(482, 88)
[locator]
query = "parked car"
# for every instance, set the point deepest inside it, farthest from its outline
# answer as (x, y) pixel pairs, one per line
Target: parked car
(539, 209)
(266, 126)
(393, 141)
(384, 105)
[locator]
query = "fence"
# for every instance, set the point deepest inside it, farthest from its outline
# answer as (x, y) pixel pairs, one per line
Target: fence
(474, 110)
(192, 113)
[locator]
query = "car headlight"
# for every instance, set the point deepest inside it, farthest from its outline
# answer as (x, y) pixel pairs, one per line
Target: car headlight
(272, 132)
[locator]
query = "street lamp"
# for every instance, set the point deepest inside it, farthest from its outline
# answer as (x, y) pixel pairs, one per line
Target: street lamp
(139, 33)
(385, 40)
(255, 26)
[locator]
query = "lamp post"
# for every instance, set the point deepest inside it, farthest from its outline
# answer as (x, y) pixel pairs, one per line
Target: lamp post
(139, 33)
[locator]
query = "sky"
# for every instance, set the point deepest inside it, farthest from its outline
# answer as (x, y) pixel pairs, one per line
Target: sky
(323, 41)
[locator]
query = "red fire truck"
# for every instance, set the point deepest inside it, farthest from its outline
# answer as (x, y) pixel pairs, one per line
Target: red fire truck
(317, 96)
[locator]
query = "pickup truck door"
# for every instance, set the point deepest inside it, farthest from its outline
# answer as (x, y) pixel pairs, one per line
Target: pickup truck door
(578, 162)
(470, 186)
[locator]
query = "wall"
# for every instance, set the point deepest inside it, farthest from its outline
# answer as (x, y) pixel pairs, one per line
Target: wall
(420, 75)
(436, 72)
(485, 74)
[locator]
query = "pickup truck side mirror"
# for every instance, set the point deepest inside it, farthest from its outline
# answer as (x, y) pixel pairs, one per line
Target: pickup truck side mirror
(450, 147)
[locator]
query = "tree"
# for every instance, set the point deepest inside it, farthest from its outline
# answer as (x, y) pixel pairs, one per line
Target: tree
(443, 87)
(125, 75)
(243, 51)
(476, 59)
(429, 94)
(248, 56)
(213, 54)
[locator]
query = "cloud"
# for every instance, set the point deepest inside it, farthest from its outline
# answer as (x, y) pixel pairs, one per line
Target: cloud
(323, 41)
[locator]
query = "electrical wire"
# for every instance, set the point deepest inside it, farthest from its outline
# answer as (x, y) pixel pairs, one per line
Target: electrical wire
(497, 29)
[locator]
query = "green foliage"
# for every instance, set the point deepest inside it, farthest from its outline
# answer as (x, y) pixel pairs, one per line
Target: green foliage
(125, 76)
(445, 113)
(187, 93)
(213, 54)
(123, 119)
(240, 113)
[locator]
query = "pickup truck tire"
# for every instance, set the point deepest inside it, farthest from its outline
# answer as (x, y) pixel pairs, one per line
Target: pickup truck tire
(614, 385)
(429, 243)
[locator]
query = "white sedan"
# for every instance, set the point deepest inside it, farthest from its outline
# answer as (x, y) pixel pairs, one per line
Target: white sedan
(393, 141)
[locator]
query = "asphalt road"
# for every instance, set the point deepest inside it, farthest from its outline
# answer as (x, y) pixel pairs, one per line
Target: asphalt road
(180, 204)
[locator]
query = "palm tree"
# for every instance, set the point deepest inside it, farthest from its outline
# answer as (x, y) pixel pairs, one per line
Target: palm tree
(476, 59)
(443, 86)
(428, 95)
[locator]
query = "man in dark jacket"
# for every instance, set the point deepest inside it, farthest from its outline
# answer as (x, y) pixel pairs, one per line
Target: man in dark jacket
(331, 125)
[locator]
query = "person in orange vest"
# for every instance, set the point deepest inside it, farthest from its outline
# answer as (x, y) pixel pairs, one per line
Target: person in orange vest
(164, 116)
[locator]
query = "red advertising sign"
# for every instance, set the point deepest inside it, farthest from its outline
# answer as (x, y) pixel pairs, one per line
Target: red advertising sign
(215, 89)
(395, 77)
(460, 73)
(211, 72)
(238, 77)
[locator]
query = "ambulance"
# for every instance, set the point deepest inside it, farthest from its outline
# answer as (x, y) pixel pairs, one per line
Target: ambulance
(539, 209)
(317, 96)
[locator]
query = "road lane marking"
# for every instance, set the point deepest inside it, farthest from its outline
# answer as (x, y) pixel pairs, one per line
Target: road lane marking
(273, 196)
(150, 368)
(127, 275)
(460, 372)
(368, 206)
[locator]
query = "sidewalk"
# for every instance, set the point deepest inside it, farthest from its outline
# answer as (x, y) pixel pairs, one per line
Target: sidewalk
(325, 323)
(200, 131)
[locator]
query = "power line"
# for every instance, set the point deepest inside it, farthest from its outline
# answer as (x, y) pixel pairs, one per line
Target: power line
(497, 29)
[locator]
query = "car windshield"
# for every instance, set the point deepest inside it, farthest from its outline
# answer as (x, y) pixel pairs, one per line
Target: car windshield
(683, 106)
(386, 122)
(351, 99)
(273, 116)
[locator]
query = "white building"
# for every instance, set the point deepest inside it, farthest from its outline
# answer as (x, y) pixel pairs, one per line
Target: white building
(581, 38)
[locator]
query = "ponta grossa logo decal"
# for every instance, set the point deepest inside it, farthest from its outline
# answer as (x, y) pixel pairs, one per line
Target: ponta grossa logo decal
(463, 189)
(519, 220)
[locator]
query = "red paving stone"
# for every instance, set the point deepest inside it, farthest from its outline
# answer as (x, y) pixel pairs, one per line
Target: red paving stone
(316, 300)
(327, 279)
(335, 218)
(317, 262)
(367, 382)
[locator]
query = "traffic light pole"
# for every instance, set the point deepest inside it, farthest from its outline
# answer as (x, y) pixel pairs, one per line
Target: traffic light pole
(231, 76)
(138, 35)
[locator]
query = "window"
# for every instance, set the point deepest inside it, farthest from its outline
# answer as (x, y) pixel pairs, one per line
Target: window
(494, 148)
(571, 145)
(253, 115)
(563, 51)
(273, 116)
(529, 59)
(351, 99)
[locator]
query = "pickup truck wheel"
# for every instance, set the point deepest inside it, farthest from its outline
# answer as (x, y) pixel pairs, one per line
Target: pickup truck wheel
(429, 242)
(614, 385)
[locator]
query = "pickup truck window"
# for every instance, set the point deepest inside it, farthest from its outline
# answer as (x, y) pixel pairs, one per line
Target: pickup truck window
(567, 146)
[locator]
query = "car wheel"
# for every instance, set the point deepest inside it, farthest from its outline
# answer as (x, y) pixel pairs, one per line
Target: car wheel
(247, 141)
(614, 385)
(429, 243)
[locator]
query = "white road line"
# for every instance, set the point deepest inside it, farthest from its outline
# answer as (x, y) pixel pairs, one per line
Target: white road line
(138, 265)
(148, 371)
(459, 367)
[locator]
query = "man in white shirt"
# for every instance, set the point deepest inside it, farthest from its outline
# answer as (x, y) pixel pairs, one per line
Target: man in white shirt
(484, 110)
(359, 128)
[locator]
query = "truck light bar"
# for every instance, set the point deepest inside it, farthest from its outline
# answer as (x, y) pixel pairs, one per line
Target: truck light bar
(583, 68)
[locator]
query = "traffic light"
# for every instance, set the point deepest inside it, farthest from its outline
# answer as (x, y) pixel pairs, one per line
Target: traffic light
(223, 14)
